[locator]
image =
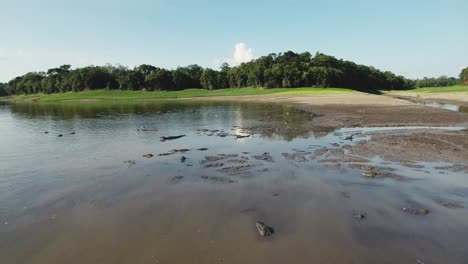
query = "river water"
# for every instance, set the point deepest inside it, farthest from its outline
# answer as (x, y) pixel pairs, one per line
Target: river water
(75, 188)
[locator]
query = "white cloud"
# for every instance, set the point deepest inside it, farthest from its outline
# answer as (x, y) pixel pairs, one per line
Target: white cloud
(242, 53)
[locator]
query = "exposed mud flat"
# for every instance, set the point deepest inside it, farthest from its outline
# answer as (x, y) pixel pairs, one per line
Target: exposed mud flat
(415, 145)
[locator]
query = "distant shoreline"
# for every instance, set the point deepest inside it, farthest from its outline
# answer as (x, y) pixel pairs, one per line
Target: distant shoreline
(101, 95)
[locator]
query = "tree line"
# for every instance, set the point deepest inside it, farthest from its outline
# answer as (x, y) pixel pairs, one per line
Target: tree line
(287, 70)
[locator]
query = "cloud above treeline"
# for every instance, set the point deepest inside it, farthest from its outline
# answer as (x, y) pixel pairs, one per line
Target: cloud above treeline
(242, 53)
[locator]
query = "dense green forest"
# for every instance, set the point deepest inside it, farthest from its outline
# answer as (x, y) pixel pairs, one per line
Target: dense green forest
(442, 81)
(286, 70)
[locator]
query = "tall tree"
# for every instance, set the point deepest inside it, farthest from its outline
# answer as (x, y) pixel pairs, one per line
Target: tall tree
(464, 76)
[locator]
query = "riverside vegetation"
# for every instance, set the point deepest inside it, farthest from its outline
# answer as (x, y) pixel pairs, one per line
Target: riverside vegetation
(283, 70)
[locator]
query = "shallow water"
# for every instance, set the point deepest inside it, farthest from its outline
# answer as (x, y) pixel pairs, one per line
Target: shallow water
(91, 196)
(446, 106)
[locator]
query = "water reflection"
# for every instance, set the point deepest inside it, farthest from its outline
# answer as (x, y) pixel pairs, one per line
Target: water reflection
(265, 119)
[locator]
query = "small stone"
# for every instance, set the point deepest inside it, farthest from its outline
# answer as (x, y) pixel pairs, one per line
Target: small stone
(46, 132)
(148, 156)
(360, 216)
(59, 135)
(72, 133)
(183, 159)
(263, 229)
(370, 174)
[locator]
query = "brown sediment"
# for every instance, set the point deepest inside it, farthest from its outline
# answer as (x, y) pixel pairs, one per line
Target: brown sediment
(416, 145)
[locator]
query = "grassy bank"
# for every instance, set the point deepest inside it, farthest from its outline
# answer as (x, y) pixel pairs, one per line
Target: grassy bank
(189, 93)
(449, 89)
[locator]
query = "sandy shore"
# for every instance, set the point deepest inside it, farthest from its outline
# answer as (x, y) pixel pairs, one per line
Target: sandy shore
(460, 98)
(360, 109)
(367, 110)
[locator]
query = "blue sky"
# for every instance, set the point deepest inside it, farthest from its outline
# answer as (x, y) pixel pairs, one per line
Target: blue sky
(414, 38)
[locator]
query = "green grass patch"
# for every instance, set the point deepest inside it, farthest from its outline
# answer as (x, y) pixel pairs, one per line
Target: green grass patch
(189, 93)
(448, 89)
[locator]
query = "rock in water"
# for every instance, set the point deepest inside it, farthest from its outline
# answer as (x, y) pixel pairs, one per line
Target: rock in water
(148, 156)
(59, 135)
(263, 229)
(183, 159)
(171, 138)
(415, 211)
(360, 217)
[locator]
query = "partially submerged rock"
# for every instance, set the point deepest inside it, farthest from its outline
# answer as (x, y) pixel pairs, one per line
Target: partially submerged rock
(183, 159)
(233, 170)
(298, 157)
(171, 137)
(222, 134)
(180, 150)
(381, 172)
(415, 211)
(165, 154)
(237, 161)
(265, 157)
(202, 149)
(263, 229)
(360, 216)
(451, 205)
(148, 156)
(370, 174)
(217, 179)
(219, 157)
(214, 165)
(242, 136)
